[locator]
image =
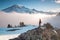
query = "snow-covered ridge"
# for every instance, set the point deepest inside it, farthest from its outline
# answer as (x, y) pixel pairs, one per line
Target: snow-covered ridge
(23, 9)
(19, 9)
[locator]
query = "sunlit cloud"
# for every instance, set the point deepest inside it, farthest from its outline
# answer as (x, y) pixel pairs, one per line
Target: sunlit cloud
(57, 1)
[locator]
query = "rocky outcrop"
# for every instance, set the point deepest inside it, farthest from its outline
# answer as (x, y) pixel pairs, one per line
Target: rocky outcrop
(58, 14)
(22, 24)
(9, 26)
(58, 31)
(39, 34)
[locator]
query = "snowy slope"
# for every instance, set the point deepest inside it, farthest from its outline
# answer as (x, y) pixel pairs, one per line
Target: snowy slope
(20, 9)
(3, 31)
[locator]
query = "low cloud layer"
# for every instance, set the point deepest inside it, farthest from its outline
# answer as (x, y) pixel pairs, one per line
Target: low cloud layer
(32, 19)
(54, 10)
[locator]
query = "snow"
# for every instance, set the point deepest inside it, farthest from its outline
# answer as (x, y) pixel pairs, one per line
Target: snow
(54, 31)
(19, 9)
(5, 35)
(3, 31)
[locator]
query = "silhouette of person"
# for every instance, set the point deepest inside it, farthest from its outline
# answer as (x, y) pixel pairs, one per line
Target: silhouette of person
(39, 22)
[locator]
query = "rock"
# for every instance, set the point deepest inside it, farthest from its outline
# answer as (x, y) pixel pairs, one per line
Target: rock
(30, 35)
(58, 14)
(48, 26)
(22, 24)
(38, 34)
(9, 26)
(58, 31)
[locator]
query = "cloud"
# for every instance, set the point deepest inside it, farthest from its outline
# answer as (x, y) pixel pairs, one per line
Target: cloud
(54, 10)
(57, 1)
(14, 18)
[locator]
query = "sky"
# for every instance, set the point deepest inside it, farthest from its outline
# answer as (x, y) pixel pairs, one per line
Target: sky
(41, 5)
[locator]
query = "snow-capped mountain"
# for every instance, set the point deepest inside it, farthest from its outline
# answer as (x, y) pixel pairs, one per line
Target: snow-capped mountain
(20, 9)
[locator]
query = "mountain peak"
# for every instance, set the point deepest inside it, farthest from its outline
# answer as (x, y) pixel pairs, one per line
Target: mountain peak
(19, 9)
(17, 6)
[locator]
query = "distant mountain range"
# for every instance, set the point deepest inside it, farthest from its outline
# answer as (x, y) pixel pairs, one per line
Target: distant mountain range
(20, 9)
(23, 9)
